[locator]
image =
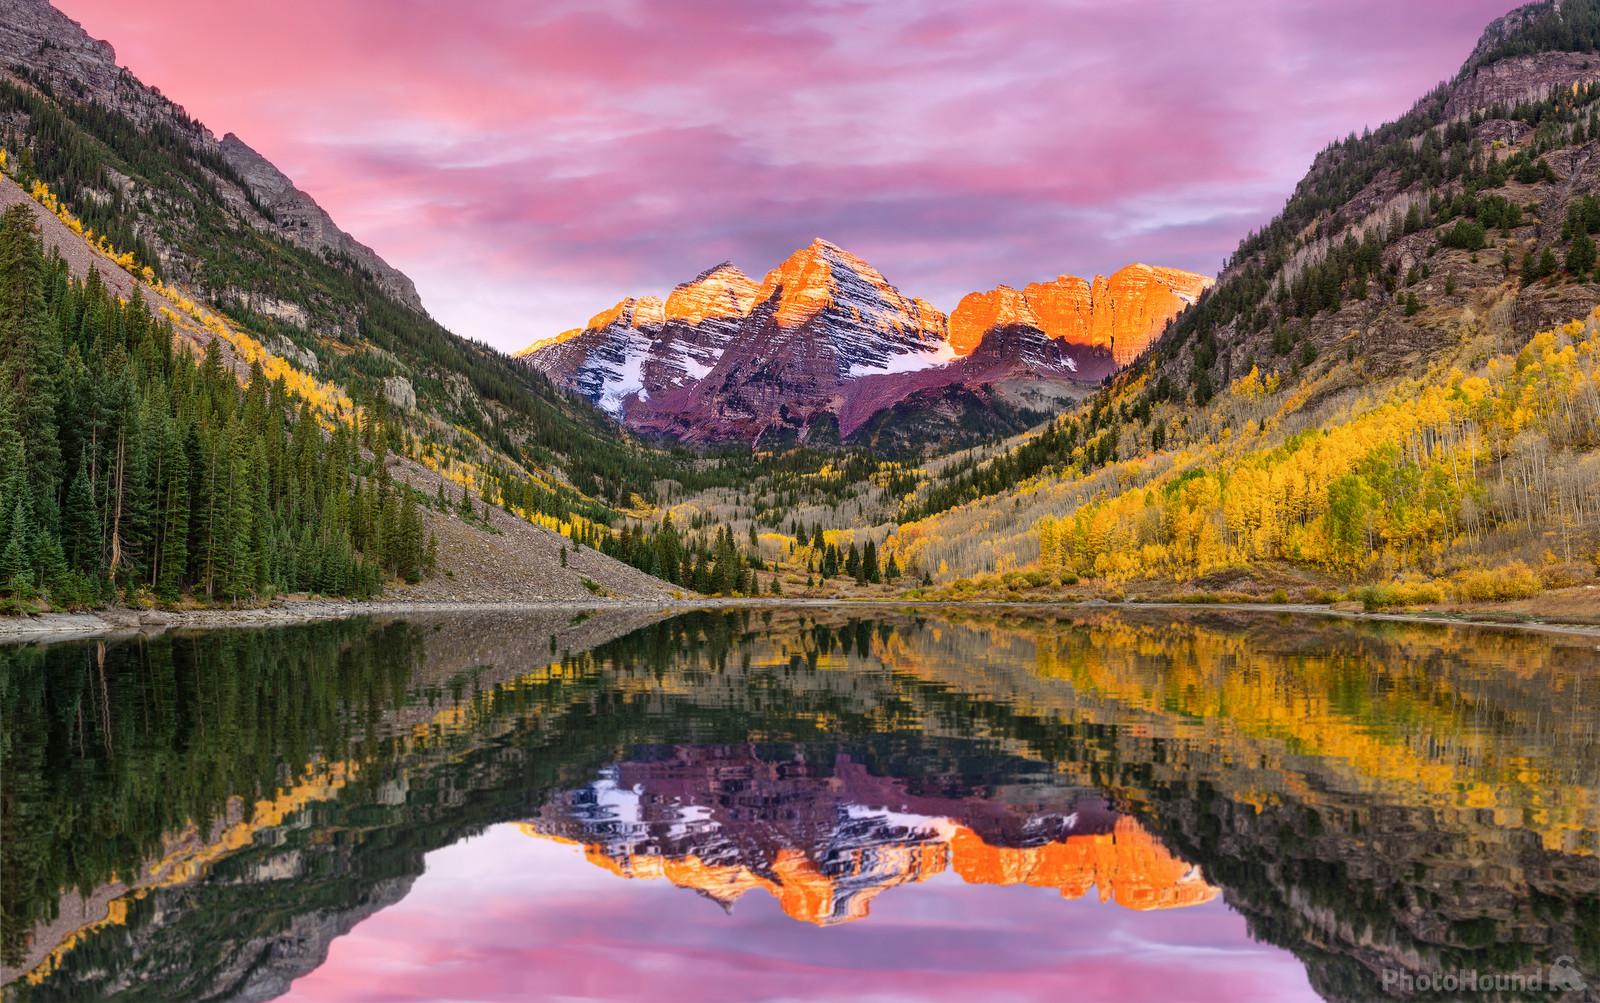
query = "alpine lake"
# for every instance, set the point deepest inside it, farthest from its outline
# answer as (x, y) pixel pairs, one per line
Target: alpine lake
(804, 803)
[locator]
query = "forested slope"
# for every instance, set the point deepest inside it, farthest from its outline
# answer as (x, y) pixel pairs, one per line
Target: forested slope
(527, 491)
(1362, 398)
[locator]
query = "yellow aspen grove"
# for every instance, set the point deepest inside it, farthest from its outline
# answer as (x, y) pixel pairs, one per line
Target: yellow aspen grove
(1419, 475)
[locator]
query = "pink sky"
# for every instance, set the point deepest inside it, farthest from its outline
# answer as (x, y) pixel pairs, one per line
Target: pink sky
(507, 917)
(530, 163)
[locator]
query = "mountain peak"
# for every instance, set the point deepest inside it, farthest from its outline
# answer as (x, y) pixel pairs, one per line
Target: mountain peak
(823, 275)
(824, 332)
(720, 291)
(721, 268)
(1515, 24)
(631, 311)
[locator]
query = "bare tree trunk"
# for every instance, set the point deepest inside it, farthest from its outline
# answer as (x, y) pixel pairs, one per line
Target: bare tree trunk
(116, 517)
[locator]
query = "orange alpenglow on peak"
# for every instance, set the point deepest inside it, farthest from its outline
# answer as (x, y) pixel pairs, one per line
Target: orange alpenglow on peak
(552, 341)
(1127, 865)
(794, 880)
(632, 311)
(718, 292)
(979, 313)
(822, 275)
(1123, 313)
(805, 277)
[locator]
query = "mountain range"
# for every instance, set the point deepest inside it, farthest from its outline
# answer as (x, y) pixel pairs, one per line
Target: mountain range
(824, 345)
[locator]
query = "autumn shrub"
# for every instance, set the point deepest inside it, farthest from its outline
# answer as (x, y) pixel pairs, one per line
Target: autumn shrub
(1509, 581)
(1388, 595)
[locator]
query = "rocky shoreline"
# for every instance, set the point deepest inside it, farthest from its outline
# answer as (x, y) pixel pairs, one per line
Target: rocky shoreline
(51, 627)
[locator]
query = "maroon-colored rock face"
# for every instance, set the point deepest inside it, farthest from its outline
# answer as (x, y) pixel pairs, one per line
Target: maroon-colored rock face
(825, 335)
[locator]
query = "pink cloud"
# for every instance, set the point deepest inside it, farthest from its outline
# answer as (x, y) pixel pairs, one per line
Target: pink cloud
(528, 164)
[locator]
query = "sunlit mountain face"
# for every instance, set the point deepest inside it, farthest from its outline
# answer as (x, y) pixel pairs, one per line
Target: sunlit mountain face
(825, 343)
(946, 803)
(826, 838)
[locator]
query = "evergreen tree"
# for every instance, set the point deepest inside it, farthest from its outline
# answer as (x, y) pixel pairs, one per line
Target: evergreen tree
(869, 564)
(16, 573)
(30, 356)
(1581, 256)
(81, 522)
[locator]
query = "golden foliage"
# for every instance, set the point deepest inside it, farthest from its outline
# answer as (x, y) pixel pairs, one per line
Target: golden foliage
(1432, 466)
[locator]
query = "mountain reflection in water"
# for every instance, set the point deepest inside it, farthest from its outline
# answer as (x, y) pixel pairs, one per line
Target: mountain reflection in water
(1262, 806)
(824, 842)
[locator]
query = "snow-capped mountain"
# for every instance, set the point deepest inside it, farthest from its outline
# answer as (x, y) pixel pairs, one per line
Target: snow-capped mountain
(824, 344)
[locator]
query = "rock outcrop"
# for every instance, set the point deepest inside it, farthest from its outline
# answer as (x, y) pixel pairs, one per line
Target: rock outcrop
(979, 313)
(298, 218)
(39, 43)
(1509, 82)
(1122, 314)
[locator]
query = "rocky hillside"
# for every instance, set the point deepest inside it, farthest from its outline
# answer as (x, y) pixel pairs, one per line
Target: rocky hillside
(42, 47)
(825, 348)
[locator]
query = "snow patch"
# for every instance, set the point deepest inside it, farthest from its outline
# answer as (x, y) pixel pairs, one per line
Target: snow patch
(907, 362)
(617, 803)
(941, 826)
(694, 368)
(618, 385)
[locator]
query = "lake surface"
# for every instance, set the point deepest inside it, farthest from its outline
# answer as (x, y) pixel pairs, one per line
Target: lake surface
(806, 804)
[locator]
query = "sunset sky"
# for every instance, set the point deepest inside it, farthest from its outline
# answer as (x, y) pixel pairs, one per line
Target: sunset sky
(530, 163)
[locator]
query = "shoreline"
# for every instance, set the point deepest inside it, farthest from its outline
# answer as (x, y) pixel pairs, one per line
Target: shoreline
(54, 627)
